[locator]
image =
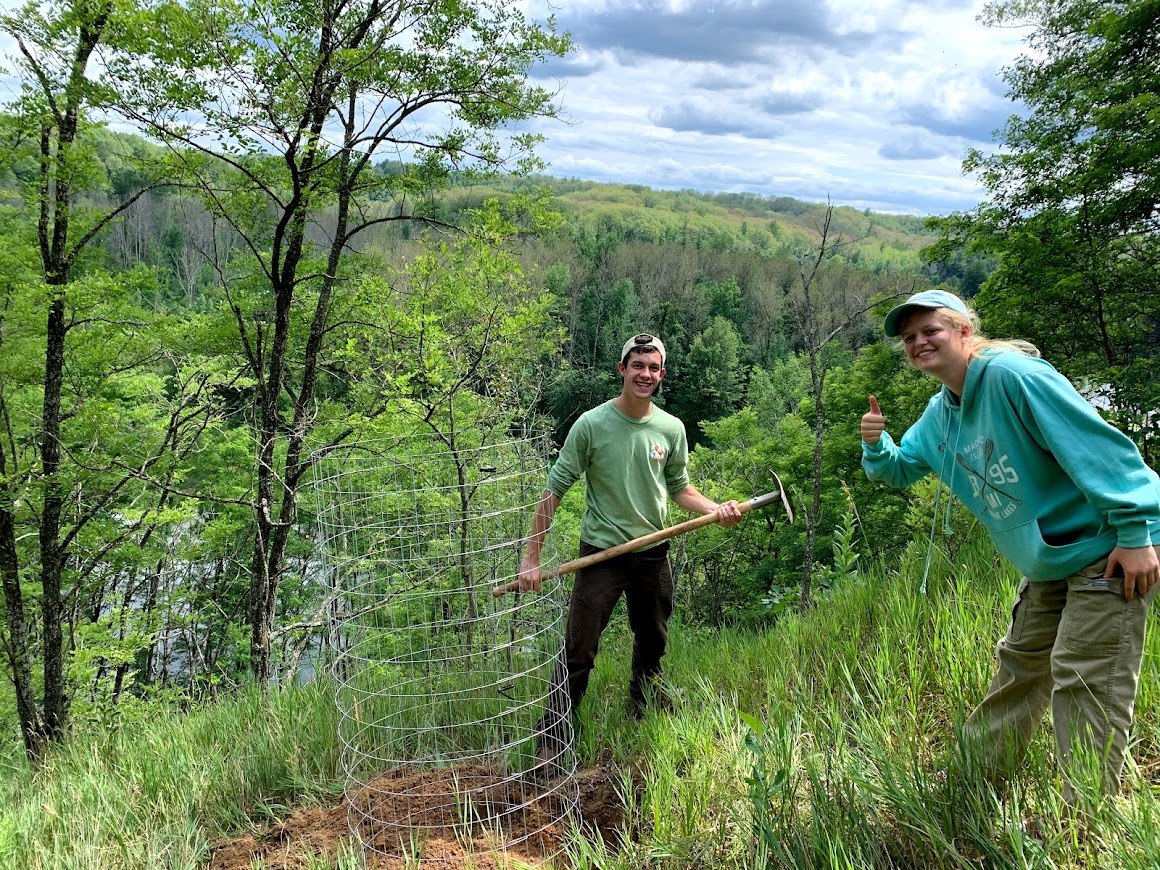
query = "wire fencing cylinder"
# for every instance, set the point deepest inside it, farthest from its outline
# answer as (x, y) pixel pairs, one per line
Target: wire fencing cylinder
(441, 687)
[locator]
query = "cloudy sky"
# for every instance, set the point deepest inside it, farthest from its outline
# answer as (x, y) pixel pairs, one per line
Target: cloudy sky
(872, 103)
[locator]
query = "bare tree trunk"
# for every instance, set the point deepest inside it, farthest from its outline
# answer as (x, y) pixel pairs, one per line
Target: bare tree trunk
(813, 515)
(52, 557)
(17, 645)
(824, 306)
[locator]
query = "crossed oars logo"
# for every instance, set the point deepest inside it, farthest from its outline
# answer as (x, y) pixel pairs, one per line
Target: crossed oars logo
(988, 449)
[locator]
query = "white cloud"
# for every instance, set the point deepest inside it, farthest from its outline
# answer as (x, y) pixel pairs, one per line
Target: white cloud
(871, 103)
(714, 117)
(867, 102)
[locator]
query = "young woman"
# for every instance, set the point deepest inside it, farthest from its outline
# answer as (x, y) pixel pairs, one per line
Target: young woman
(1067, 498)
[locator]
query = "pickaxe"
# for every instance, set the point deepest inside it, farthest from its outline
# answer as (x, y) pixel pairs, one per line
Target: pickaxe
(654, 538)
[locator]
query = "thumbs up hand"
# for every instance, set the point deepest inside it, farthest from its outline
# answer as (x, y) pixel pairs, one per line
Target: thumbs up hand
(873, 423)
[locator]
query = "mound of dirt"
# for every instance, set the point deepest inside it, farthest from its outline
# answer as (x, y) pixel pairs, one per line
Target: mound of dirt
(420, 813)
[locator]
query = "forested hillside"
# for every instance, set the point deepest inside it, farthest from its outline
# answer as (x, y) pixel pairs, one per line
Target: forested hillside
(239, 237)
(216, 269)
(167, 339)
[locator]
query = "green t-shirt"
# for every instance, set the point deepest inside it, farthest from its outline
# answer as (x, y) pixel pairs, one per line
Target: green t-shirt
(632, 468)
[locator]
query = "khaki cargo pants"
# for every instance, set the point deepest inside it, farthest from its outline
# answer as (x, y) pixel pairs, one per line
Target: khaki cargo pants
(1075, 644)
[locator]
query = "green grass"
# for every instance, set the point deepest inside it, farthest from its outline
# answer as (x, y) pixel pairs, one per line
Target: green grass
(856, 707)
(157, 794)
(813, 744)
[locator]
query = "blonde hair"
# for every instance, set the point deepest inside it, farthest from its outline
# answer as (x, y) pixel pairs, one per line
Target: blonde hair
(977, 343)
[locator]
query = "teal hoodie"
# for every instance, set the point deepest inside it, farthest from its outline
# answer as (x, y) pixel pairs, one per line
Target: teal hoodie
(1055, 485)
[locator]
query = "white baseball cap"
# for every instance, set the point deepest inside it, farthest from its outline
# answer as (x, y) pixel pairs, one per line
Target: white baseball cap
(643, 341)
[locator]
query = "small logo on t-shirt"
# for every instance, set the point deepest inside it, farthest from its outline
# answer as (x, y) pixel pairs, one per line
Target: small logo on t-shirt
(657, 453)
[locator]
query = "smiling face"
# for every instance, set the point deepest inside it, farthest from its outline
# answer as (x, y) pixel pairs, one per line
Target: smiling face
(642, 374)
(935, 345)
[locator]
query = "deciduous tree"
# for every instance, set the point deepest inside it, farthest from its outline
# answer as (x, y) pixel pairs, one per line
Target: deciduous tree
(83, 406)
(1072, 199)
(277, 109)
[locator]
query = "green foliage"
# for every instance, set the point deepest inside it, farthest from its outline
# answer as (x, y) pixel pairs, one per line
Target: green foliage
(572, 391)
(125, 390)
(732, 571)
(819, 737)
(1071, 210)
(482, 84)
(778, 392)
(768, 783)
(464, 337)
(902, 393)
(845, 549)
(611, 215)
(606, 317)
(273, 112)
(708, 378)
(158, 790)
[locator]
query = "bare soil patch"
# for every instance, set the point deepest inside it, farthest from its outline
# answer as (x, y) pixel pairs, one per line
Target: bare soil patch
(413, 805)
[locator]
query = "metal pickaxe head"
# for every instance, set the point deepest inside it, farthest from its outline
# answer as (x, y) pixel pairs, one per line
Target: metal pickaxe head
(784, 497)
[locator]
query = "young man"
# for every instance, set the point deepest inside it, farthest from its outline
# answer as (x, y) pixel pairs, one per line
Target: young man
(634, 456)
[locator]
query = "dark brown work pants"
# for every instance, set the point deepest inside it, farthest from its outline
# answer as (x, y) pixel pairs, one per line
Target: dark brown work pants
(646, 581)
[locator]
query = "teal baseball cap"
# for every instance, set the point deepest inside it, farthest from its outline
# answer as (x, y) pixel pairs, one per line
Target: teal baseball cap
(925, 299)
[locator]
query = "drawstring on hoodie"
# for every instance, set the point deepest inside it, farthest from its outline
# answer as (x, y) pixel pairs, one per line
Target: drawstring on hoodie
(938, 495)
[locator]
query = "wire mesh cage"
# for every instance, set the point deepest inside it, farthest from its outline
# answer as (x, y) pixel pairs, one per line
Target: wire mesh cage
(445, 692)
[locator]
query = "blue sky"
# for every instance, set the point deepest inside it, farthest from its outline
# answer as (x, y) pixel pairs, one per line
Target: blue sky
(871, 104)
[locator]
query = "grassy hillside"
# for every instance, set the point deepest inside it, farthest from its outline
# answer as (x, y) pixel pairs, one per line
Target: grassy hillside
(814, 744)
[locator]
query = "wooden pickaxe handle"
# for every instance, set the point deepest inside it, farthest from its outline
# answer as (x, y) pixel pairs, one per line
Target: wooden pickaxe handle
(651, 538)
